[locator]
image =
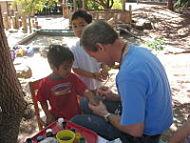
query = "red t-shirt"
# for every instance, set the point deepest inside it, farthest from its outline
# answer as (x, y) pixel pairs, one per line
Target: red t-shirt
(62, 105)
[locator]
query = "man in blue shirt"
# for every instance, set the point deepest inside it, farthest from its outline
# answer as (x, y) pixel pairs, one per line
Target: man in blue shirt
(142, 85)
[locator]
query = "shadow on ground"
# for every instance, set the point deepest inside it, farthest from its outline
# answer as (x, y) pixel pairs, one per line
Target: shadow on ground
(174, 27)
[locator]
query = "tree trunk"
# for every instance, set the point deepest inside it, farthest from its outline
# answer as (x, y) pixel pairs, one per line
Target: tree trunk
(12, 103)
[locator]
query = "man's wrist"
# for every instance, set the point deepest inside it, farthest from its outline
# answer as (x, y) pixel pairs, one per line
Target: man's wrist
(106, 116)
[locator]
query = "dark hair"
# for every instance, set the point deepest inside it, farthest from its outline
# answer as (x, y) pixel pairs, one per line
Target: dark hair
(82, 14)
(58, 54)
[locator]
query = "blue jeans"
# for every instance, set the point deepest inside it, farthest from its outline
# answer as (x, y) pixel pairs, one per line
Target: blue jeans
(105, 129)
(97, 123)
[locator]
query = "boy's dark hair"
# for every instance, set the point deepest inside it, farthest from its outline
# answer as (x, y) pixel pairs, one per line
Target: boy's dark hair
(82, 14)
(58, 54)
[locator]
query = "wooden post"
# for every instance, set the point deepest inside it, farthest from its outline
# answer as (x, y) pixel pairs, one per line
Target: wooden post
(13, 22)
(170, 5)
(16, 20)
(24, 24)
(32, 23)
(130, 14)
(20, 23)
(6, 21)
(7, 7)
(35, 22)
(29, 24)
(65, 10)
(83, 4)
(123, 5)
(74, 5)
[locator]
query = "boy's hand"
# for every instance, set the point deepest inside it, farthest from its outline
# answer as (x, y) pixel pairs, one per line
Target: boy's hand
(104, 91)
(94, 101)
(107, 94)
(97, 76)
(100, 76)
(91, 97)
(49, 118)
(104, 71)
(104, 74)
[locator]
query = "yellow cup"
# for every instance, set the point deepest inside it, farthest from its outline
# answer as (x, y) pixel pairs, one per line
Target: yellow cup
(65, 136)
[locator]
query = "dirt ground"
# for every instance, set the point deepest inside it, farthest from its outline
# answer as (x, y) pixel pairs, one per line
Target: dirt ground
(175, 29)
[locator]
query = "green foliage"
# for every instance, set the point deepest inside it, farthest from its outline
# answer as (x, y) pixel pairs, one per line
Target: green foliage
(157, 44)
(182, 3)
(117, 4)
(91, 5)
(29, 7)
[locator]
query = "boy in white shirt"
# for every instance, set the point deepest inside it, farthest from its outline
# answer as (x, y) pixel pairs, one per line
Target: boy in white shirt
(87, 68)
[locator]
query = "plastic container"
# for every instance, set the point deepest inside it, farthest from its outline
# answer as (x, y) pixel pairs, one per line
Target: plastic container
(60, 122)
(65, 136)
(89, 135)
(49, 133)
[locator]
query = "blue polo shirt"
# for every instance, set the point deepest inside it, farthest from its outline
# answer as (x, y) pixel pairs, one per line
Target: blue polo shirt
(145, 91)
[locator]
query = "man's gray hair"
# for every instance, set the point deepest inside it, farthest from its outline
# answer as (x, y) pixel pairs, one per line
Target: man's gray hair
(98, 32)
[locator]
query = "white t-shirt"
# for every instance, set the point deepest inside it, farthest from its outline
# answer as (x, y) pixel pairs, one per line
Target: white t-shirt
(85, 62)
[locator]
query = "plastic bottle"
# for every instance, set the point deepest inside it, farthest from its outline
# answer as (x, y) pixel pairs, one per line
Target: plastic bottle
(82, 140)
(61, 123)
(64, 124)
(77, 137)
(49, 133)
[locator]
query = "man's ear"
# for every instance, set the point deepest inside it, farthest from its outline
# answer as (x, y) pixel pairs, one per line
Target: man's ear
(99, 47)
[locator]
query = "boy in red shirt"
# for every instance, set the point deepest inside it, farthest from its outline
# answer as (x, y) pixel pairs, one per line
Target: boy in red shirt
(61, 87)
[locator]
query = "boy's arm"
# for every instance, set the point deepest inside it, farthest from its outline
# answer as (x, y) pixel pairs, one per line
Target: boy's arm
(42, 95)
(106, 93)
(49, 117)
(84, 73)
(180, 135)
(94, 75)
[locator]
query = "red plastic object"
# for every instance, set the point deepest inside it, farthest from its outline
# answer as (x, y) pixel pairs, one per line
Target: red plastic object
(88, 134)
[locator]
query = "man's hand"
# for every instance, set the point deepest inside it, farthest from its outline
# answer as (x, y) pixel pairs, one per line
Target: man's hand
(105, 92)
(99, 109)
(98, 76)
